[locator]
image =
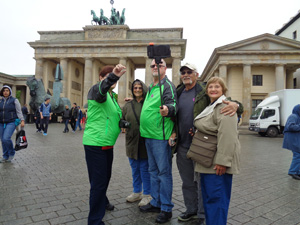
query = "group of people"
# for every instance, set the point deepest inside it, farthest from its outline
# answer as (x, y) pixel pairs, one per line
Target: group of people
(75, 116)
(156, 117)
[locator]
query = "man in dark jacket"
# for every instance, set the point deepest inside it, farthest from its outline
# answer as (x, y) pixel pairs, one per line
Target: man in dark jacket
(192, 100)
(74, 116)
(66, 118)
(37, 118)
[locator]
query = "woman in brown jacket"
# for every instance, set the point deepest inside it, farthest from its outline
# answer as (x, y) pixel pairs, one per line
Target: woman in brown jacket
(135, 146)
(216, 181)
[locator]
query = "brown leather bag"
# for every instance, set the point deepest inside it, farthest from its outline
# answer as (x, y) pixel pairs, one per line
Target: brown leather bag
(203, 149)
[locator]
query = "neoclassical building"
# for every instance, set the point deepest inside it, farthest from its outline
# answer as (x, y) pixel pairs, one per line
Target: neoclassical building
(83, 53)
(254, 67)
(17, 84)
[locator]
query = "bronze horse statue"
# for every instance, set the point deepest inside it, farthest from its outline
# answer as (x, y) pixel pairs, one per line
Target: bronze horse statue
(38, 93)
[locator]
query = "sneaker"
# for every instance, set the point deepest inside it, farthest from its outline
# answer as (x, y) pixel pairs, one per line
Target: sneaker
(64, 131)
(73, 131)
(163, 217)
(149, 208)
(145, 200)
(110, 207)
(37, 131)
(187, 216)
(40, 131)
(133, 197)
(2, 160)
(45, 134)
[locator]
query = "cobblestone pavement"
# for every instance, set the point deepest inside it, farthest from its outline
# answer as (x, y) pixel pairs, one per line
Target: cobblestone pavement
(47, 183)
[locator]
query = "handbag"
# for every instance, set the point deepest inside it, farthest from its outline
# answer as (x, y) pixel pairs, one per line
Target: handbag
(203, 149)
(21, 140)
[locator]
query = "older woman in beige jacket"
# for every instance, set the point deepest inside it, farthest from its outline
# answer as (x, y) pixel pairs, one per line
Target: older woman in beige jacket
(216, 181)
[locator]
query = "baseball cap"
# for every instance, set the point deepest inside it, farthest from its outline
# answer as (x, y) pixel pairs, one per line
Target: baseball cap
(190, 66)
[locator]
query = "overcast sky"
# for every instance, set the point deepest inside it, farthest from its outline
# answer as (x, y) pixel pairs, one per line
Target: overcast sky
(206, 24)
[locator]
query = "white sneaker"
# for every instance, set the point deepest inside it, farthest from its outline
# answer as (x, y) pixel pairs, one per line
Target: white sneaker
(133, 197)
(145, 200)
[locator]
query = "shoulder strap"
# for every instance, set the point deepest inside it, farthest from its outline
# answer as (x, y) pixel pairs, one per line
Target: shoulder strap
(137, 120)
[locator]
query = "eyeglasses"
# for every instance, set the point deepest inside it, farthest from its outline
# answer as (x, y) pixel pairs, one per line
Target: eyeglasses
(186, 72)
(138, 88)
(160, 66)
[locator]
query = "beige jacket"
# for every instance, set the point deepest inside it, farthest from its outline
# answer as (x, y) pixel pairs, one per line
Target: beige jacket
(225, 128)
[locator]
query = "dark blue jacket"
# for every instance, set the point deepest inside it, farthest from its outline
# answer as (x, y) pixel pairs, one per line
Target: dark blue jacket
(291, 131)
(8, 111)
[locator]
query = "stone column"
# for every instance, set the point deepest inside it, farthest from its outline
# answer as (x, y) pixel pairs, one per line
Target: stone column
(175, 71)
(223, 72)
(148, 75)
(122, 86)
(39, 69)
(65, 81)
(88, 78)
(1, 85)
(14, 90)
(280, 77)
(290, 79)
(216, 73)
(27, 98)
(246, 93)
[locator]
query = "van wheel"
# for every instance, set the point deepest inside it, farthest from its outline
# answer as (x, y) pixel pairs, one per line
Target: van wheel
(262, 134)
(272, 132)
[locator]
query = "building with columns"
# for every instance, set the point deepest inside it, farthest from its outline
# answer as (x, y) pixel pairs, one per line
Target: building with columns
(17, 83)
(291, 30)
(83, 53)
(254, 67)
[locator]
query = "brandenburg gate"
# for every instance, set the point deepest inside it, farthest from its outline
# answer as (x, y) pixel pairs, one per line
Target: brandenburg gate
(82, 54)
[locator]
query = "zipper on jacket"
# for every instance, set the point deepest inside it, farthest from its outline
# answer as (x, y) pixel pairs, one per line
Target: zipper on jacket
(106, 126)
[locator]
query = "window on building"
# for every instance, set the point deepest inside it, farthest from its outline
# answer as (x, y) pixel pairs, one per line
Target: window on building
(295, 35)
(295, 83)
(257, 80)
(255, 103)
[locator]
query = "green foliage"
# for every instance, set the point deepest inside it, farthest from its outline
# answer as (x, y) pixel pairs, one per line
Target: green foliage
(18, 95)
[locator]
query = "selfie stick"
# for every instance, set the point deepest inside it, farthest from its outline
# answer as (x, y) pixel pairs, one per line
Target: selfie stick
(158, 61)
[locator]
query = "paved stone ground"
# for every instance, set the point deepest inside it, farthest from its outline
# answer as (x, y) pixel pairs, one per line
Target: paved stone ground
(47, 183)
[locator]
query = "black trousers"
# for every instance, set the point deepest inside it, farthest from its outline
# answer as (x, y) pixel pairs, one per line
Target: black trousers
(45, 121)
(99, 165)
(73, 123)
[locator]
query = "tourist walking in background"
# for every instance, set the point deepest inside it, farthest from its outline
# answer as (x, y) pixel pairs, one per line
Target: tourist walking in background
(74, 116)
(66, 118)
(291, 141)
(37, 120)
(45, 112)
(135, 146)
(216, 180)
(25, 112)
(10, 117)
(79, 117)
(100, 134)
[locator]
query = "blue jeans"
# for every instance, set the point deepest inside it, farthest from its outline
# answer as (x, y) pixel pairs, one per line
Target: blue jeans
(160, 169)
(140, 175)
(6, 131)
(78, 125)
(99, 165)
(216, 193)
(295, 165)
(66, 125)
